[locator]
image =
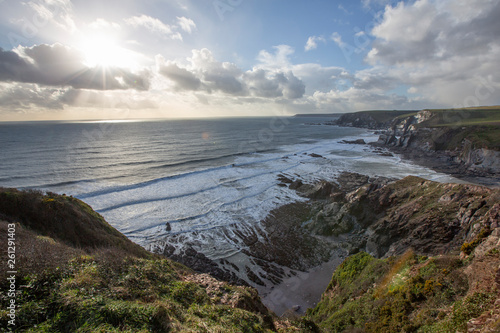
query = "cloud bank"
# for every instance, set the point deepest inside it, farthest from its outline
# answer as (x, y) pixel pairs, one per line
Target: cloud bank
(58, 65)
(204, 73)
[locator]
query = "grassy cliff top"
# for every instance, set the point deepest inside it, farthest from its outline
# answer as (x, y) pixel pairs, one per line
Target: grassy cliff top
(64, 218)
(481, 116)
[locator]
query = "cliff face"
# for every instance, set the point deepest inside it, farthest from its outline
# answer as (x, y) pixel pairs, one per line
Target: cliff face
(466, 142)
(454, 142)
(370, 119)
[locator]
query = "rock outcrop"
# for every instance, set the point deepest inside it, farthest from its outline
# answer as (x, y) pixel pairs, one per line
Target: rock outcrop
(386, 219)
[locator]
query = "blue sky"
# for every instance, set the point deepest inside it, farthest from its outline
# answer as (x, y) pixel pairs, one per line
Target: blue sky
(87, 59)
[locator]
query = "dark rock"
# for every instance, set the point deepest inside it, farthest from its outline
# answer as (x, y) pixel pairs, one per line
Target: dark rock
(285, 242)
(350, 181)
(321, 190)
(391, 140)
(284, 179)
(355, 142)
(200, 263)
(315, 155)
(337, 196)
(254, 277)
(296, 184)
(333, 219)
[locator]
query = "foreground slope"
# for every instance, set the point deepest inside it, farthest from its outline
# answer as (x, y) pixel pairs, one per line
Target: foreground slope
(412, 293)
(76, 273)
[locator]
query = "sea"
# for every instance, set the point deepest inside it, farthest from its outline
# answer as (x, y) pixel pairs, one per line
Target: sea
(194, 174)
(186, 181)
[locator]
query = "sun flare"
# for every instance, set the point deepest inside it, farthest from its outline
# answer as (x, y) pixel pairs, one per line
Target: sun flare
(103, 51)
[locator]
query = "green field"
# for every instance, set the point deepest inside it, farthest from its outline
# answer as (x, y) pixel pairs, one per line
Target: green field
(482, 116)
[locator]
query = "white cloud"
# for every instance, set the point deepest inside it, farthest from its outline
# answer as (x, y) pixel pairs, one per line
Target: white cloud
(21, 96)
(312, 43)
(342, 8)
(154, 25)
(278, 60)
(370, 3)
(100, 23)
(205, 74)
(448, 53)
(337, 38)
(353, 99)
(59, 12)
(319, 78)
(186, 24)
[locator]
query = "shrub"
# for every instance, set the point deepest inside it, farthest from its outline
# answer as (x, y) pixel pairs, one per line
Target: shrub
(467, 248)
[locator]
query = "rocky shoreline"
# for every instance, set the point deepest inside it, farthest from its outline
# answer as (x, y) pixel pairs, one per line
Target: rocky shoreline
(444, 149)
(378, 215)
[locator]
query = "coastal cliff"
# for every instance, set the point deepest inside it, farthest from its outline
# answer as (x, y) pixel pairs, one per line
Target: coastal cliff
(425, 256)
(462, 142)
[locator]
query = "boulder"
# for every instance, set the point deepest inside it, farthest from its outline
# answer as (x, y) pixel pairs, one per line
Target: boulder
(355, 142)
(296, 184)
(321, 190)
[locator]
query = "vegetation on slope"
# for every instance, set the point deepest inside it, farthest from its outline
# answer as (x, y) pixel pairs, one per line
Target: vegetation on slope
(75, 273)
(409, 293)
(481, 116)
(64, 218)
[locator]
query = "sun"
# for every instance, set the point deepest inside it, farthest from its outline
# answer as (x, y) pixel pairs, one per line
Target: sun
(104, 51)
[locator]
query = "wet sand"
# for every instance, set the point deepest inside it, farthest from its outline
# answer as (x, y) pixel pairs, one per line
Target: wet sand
(303, 290)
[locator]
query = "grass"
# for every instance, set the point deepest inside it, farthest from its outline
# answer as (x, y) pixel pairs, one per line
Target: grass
(90, 294)
(383, 116)
(464, 117)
